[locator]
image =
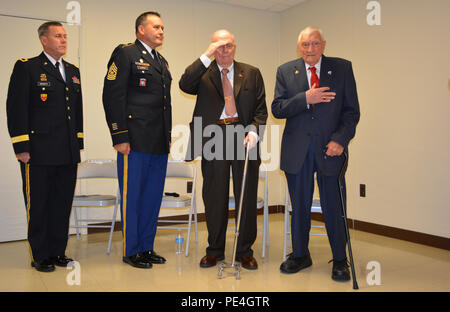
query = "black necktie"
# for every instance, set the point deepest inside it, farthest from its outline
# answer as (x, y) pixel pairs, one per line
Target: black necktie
(155, 56)
(57, 68)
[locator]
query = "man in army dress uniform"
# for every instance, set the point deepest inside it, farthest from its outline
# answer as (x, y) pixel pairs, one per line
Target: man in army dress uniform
(136, 99)
(45, 122)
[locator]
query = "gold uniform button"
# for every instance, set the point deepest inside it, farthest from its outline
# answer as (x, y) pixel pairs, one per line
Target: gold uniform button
(67, 89)
(165, 97)
(43, 89)
(68, 117)
(129, 116)
(67, 98)
(32, 131)
(68, 108)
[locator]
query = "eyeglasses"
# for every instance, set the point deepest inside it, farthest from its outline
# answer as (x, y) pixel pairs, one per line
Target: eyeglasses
(314, 44)
(227, 46)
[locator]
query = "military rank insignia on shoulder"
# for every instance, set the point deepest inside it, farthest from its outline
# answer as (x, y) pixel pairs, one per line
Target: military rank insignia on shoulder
(23, 59)
(127, 44)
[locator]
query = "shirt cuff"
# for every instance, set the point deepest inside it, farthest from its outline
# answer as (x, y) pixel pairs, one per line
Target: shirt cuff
(205, 60)
(255, 135)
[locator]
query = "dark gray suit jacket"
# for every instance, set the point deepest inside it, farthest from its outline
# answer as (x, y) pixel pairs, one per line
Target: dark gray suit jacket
(249, 94)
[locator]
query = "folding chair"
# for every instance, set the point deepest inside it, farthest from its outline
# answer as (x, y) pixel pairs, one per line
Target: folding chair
(262, 203)
(96, 169)
(184, 171)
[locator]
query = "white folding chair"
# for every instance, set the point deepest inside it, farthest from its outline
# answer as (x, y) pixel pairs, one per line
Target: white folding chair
(315, 207)
(186, 171)
(261, 203)
(96, 169)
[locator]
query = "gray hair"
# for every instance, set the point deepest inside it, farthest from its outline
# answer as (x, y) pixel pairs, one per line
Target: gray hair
(43, 29)
(308, 30)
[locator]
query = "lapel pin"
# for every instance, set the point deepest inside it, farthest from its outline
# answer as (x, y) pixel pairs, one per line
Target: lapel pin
(297, 72)
(240, 76)
(330, 72)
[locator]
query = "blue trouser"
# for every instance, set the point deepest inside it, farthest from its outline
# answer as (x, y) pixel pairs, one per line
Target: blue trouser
(301, 189)
(141, 181)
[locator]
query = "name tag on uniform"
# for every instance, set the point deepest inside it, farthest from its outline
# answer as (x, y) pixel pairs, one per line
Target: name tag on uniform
(44, 84)
(142, 82)
(142, 66)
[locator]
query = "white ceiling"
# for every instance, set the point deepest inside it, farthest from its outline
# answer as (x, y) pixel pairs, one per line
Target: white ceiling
(266, 5)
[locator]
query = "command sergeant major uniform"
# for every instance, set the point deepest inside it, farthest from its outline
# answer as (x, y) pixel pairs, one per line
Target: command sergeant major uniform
(136, 99)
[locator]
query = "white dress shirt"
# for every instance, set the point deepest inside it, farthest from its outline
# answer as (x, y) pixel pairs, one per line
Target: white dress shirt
(61, 64)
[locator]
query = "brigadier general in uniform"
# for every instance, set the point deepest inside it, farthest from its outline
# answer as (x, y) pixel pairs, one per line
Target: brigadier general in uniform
(45, 122)
(136, 99)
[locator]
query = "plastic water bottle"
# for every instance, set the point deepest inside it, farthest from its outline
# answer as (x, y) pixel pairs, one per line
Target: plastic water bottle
(179, 244)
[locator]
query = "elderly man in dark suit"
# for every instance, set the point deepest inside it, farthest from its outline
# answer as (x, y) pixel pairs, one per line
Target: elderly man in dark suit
(230, 108)
(45, 121)
(136, 99)
(317, 96)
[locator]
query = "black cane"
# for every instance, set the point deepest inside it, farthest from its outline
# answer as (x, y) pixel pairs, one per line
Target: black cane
(344, 215)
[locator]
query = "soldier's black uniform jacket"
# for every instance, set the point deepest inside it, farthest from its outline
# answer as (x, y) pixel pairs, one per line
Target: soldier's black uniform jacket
(136, 99)
(45, 114)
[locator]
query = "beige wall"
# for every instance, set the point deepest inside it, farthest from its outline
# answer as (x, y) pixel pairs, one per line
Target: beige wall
(188, 29)
(402, 69)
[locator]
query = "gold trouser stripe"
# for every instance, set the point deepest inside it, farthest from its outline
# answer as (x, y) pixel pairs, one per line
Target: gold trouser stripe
(80, 135)
(20, 138)
(124, 202)
(27, 190)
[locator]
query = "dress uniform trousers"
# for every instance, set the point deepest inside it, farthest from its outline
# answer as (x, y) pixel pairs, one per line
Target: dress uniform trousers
(48, 192)
(301, 189)
(141, 182)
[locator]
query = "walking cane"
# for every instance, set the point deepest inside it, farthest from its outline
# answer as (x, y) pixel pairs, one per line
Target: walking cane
(236, 266)
(344, 215)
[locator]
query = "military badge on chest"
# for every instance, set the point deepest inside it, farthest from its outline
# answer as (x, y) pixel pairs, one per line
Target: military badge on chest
(142, 82)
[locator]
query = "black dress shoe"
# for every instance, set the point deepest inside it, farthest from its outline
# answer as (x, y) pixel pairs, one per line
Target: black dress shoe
(293, 265)
(210, 261)
(43, 266)
(61, 261)
(138, 261)
(152, 257)
(340, 271)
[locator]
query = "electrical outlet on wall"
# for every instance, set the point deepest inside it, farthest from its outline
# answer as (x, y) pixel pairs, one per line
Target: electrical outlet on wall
(362, 190)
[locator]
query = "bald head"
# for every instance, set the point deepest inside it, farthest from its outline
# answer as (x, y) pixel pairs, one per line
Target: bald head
(224, 55)
(222, 34)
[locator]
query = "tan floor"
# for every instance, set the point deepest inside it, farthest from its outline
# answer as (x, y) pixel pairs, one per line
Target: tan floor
(403, 266)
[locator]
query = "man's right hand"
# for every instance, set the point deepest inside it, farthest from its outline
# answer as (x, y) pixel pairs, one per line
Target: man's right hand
(214, 46)
(123, 148)
(319, 95)
(23, 157)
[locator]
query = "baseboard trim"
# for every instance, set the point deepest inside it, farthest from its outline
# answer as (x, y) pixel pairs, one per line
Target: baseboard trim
(373, 228)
